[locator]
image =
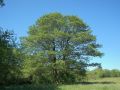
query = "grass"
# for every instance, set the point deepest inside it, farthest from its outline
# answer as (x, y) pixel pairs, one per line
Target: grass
(91, 87)
(99, 84)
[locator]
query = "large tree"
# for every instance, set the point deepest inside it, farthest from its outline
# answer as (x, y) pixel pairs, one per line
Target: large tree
(65, 43)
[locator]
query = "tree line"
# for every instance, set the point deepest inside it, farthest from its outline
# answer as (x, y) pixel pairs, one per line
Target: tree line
(103, 73)
(58, 49)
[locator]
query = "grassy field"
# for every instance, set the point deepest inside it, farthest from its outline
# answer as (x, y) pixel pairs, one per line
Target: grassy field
(99, 84)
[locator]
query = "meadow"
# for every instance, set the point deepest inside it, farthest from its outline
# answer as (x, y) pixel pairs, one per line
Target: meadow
(98, 84)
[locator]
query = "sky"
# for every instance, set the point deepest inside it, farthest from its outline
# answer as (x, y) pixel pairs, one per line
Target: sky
(103, 17)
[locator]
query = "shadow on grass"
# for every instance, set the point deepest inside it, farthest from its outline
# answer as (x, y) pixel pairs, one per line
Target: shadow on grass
(90, 83)
(47, 87)
(105, 82)
(31, 87)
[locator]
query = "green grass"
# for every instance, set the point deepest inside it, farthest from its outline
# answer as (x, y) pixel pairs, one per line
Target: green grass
(99, 84)
(91, 87)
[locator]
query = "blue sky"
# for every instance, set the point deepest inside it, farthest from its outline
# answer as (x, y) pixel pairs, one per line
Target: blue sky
(103, 16)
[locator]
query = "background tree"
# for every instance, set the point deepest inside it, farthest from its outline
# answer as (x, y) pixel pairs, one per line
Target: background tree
(62, 44)
(102, 73)
(9, 62)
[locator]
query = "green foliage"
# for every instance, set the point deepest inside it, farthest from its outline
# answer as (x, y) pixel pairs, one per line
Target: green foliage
(102, 73)
(58, 48)
(9, 62)
(31, 87)
(94, 74)
(115, 73)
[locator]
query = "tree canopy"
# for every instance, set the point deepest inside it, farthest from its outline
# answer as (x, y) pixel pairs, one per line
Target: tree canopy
(60, 47)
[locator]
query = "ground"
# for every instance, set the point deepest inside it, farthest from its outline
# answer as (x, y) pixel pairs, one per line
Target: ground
(98, 84)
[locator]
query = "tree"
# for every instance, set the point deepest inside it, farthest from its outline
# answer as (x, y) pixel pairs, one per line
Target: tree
(115, 73)
(9, 60)
(64, 43)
